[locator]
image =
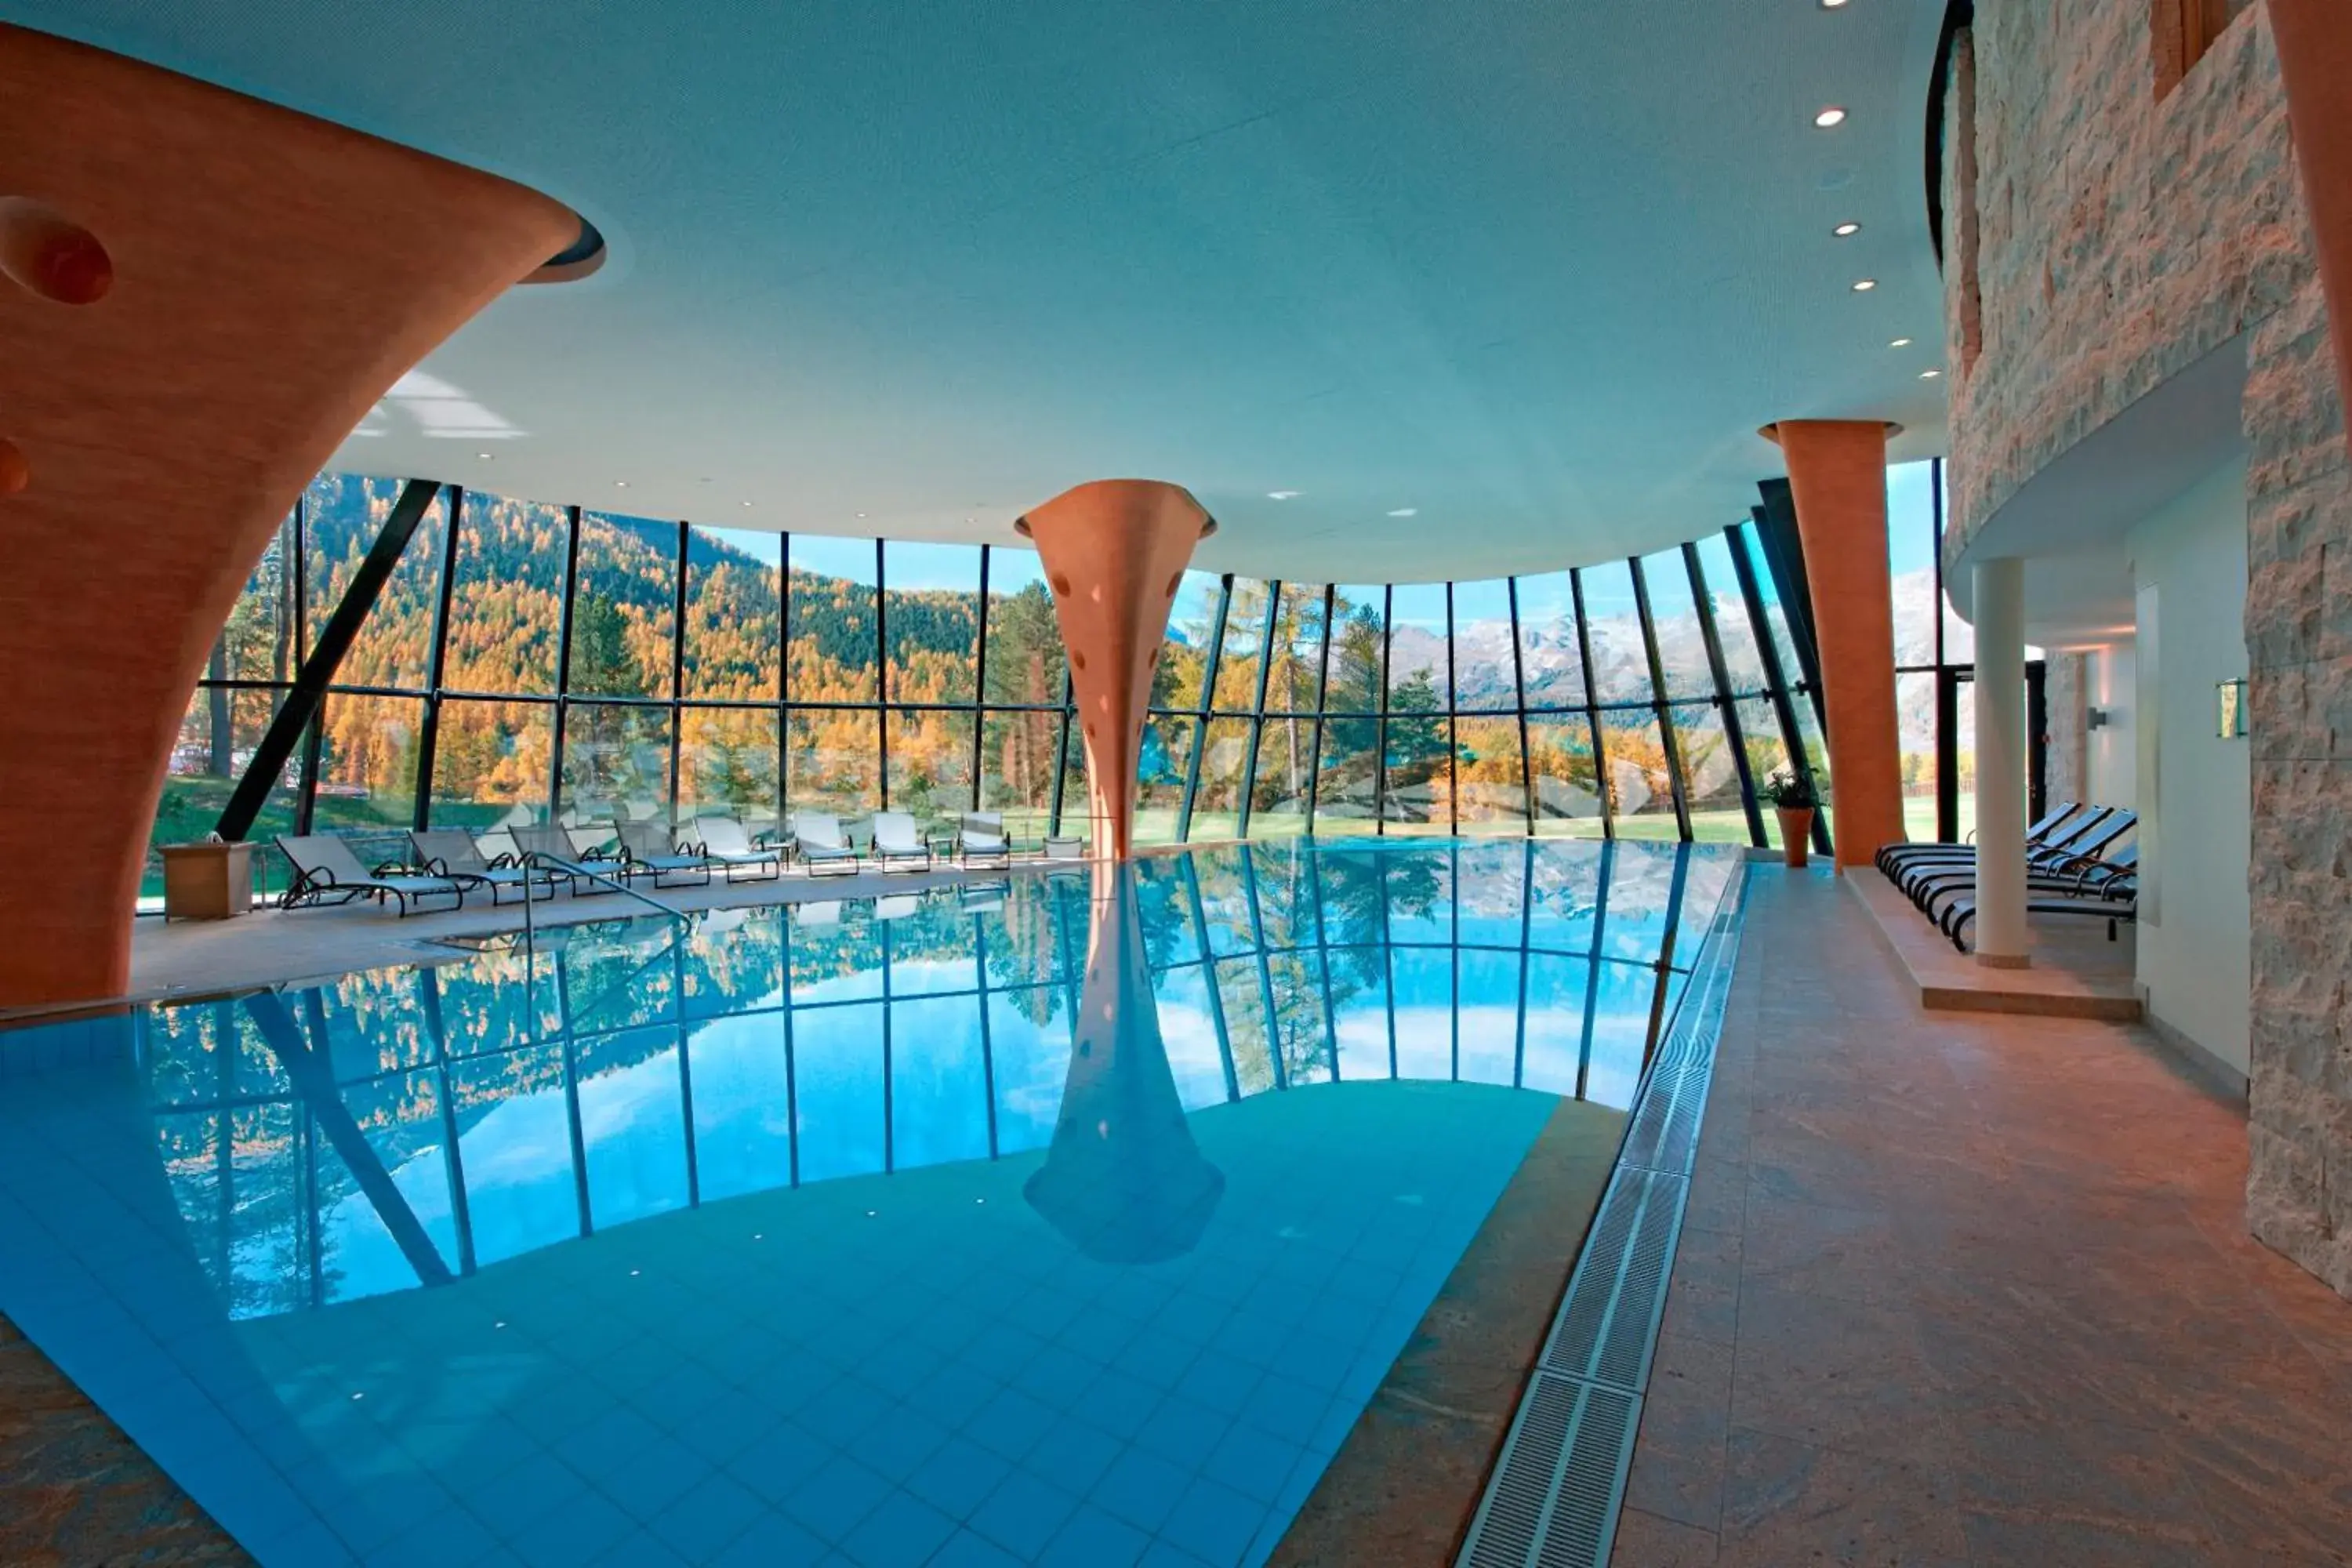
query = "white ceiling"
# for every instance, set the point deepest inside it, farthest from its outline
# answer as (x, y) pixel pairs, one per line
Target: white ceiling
(2070, 519)
(1535, 271)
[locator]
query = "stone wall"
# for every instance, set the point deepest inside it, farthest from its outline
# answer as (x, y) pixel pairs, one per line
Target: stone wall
(2063, 688)
(2113, 239)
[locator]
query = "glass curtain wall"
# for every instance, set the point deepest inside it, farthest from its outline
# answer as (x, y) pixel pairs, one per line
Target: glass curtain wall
(1622, 699)
(528, 661)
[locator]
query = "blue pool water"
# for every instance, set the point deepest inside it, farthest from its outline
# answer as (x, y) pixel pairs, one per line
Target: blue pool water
(1069, 1220)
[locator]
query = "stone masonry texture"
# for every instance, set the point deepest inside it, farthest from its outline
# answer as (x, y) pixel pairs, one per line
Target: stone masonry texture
(2070, 771)
(2114, 238)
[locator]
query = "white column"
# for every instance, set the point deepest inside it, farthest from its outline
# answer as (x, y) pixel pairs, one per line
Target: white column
(2002, 940)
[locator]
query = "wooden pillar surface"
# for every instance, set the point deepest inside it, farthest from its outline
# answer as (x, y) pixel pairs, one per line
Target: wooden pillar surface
(1115, 552)
(200, 296)
(1837, 477)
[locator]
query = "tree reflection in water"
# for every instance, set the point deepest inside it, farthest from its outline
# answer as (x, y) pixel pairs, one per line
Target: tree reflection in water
(488, 1106)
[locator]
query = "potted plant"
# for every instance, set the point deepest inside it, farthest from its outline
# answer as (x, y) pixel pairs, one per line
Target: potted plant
(1793, 801)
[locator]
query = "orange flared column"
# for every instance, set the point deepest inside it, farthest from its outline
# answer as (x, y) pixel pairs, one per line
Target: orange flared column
(200, 295)
(2315, 50)
(1837, 477)
(1114, 552)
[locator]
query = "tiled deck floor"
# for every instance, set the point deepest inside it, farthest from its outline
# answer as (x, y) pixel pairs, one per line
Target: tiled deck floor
(1974, 1290)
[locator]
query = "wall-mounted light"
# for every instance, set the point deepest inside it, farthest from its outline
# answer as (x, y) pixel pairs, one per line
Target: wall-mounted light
(2230, 710)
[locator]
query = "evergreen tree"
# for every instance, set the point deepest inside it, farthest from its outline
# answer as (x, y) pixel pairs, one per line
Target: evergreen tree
(601, 662)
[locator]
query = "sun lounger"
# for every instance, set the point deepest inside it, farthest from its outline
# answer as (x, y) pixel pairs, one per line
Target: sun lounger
(823, 848)
(327, 872)
(649, 849)
(897, 846)
(2120, 905)
(1923, 883)
(982, 837)
(1893, 857)
(722, 841)
(453, 852)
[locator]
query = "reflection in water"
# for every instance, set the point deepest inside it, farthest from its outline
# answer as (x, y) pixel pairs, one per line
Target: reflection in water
(722, 1227)
(1123, 1179)
(401, 1127)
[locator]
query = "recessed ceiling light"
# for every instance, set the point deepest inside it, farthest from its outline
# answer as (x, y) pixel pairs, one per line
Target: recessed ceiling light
(1846, 230)
(1900, 343)
(620, 484)
(1930, 374)
(1864, 285)
(861, 514)
(486, 457)
(1830, 116)
(1833, 4)
(1282, 495)
(1406, 511)
(747, 503)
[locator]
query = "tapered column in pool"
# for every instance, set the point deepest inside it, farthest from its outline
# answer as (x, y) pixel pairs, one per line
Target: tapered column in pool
(201, 295)
(1837, 477)
(2314, 50)
(1115, 552)
(2002, 941)
(1123, 1179)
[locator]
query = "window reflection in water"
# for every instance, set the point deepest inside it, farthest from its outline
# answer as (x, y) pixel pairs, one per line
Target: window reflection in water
(404, 1126)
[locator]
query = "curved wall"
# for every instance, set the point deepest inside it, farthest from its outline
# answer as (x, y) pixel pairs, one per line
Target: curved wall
(2109, 234)
(259, 289)
(2104, 239)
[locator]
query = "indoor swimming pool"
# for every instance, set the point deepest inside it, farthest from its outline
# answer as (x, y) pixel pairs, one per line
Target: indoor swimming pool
(1065, 1217)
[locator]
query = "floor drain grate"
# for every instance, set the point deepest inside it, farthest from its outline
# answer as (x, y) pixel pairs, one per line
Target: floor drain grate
(1609, 1322)
(1552, 1503)
(1560, 1483)
(1664, 1135)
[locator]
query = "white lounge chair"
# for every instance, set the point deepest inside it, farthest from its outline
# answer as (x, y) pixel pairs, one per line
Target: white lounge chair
(897, 846)
(648, 848)
(982, 837)
(327, 872)
(591, 841)
(822, 846)
(455, 853)
(549, 845)
(722, 841)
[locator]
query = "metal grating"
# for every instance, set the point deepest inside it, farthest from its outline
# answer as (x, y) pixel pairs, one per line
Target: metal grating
(1609, 1323)
(1553, 1499)
(1664, 1135)
(1556, 1487)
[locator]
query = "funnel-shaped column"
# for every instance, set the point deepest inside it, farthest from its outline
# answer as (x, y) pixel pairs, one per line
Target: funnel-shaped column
(1837, 477)
(200, 295)
(1115, 552)
(1123, 1180)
